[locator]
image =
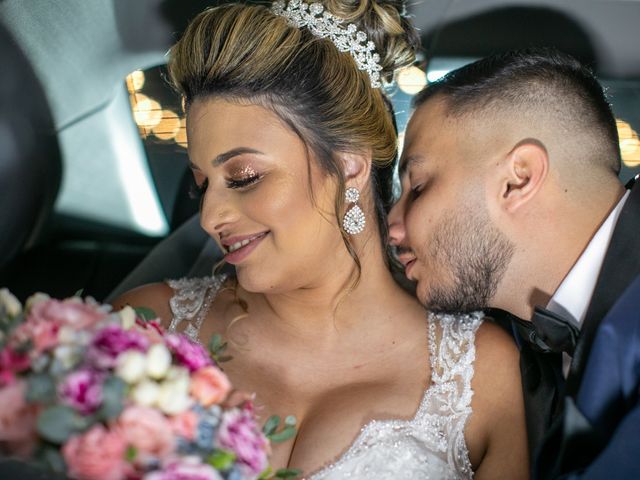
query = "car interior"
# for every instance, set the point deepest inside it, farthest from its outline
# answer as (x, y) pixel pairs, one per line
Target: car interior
(94, 179)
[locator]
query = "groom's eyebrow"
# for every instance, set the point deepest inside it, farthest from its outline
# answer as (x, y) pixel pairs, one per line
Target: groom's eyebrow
(407, 161)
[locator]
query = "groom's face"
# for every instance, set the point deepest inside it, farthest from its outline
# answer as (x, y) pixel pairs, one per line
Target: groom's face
(441, 223)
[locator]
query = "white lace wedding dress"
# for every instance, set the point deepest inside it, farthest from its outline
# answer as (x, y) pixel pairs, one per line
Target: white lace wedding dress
(429, 446)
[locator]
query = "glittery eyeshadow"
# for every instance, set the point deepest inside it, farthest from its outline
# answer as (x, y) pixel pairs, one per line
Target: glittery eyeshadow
(246, 171)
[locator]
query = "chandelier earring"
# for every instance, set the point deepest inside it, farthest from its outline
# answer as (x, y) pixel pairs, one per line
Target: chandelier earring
(354, 219)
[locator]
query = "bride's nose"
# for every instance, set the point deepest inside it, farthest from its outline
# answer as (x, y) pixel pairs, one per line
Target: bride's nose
(216, 213)
(396, 225)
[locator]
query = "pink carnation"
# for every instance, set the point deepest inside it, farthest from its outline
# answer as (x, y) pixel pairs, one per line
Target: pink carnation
(188, 468)
(98, 454)
(42, 333)
(12, 362)
(82, 390)
(148, 431)
(239, 433)
(189, 353)
(17, 419)
(111, 341)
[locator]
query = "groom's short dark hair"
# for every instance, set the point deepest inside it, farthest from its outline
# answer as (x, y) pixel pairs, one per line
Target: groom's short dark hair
(543, 79)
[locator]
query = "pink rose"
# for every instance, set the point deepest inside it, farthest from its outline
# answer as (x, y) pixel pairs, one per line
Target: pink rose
(188, 468)
(148, 431)
(17, 418)
(239, 433)
(189, 353)
(185, 424)
(82, 390)
(98, 454)
(210, 386)
(72, 313)
(111, 341)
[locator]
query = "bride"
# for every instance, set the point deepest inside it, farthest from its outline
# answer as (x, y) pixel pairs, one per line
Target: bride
(293, 148)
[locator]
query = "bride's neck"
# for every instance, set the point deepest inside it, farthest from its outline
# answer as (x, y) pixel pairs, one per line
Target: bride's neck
(335, 303)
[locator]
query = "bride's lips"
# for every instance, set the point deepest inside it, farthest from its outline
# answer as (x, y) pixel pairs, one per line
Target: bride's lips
(238, 248)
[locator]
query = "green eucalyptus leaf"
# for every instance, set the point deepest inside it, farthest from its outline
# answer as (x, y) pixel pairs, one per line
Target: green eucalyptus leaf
(290, 420)
(221, 459)
(285, 434)
(58, 423)
(40, 388)
(79, 293)
(266, 474)
(113, 393)
(223, 358)
(145, 313)
(52, 457)
(131, 453)
(271, 425)
(287, 473)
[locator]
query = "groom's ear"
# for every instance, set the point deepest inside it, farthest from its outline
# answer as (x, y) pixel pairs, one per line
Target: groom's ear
(525, 170)
(356, 168)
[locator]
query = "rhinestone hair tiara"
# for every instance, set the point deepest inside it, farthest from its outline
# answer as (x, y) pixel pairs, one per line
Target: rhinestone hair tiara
(323, 24)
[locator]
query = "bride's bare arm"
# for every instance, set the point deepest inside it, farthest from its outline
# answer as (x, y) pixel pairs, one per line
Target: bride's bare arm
(154, 296)
(496, 432)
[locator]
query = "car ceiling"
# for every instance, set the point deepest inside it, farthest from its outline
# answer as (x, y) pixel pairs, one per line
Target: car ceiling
(82, 49)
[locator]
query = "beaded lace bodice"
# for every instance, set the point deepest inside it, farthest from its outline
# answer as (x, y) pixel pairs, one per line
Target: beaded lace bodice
(431, 445)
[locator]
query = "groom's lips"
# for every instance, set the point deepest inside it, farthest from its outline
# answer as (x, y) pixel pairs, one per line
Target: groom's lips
(407, 260)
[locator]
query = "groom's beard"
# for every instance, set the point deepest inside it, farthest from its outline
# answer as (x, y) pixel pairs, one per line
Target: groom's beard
(469, 256)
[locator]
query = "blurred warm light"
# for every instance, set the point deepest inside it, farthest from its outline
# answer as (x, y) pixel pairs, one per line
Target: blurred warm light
(411, 80)
(135, 81)
(147, 112)
(168, 127)
(181, 137)
(629, 144)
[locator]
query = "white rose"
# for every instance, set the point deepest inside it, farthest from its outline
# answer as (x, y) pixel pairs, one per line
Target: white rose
(131, 366)
(35, 299)
(146, 393)
(67, 355)
(179, 375)
(173, 398)
(128, 317)
(158, 361)
(10, 303)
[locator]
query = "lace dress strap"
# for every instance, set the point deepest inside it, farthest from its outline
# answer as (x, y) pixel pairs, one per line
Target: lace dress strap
(453, 352)
(191, 301)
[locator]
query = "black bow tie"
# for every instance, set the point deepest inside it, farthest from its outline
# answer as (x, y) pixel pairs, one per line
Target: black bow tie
(548, 331)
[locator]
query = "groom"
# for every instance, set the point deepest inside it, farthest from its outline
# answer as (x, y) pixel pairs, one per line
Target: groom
(511, 200)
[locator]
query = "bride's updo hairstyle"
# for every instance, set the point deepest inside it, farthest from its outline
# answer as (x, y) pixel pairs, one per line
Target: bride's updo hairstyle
(247, 53)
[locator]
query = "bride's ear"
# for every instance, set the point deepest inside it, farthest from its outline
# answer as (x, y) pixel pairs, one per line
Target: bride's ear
(524, 171)
(356, 168)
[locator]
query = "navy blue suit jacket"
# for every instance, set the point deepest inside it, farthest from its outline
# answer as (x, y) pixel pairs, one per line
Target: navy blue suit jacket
(598, 433)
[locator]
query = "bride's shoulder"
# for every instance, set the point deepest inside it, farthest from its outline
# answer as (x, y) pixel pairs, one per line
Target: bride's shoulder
(497, 366)
(155, 296)
(165, 297)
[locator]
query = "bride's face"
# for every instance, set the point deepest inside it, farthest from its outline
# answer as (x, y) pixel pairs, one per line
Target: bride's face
(257, 181)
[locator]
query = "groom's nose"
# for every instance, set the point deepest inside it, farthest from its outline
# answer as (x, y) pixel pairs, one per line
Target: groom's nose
(396, 225)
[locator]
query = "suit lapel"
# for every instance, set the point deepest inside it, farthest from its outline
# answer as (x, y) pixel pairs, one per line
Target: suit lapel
(620, 266)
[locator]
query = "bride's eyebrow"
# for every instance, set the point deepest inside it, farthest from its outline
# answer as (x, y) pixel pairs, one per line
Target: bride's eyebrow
(223, 157)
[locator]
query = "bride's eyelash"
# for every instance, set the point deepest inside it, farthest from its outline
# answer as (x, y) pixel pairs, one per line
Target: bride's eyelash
(197, 191)
(243, 182)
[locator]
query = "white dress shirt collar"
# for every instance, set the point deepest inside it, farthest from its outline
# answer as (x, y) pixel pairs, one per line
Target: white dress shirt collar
(573, 296)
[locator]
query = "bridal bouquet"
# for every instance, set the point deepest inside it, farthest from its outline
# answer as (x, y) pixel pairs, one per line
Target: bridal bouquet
(99, 395)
